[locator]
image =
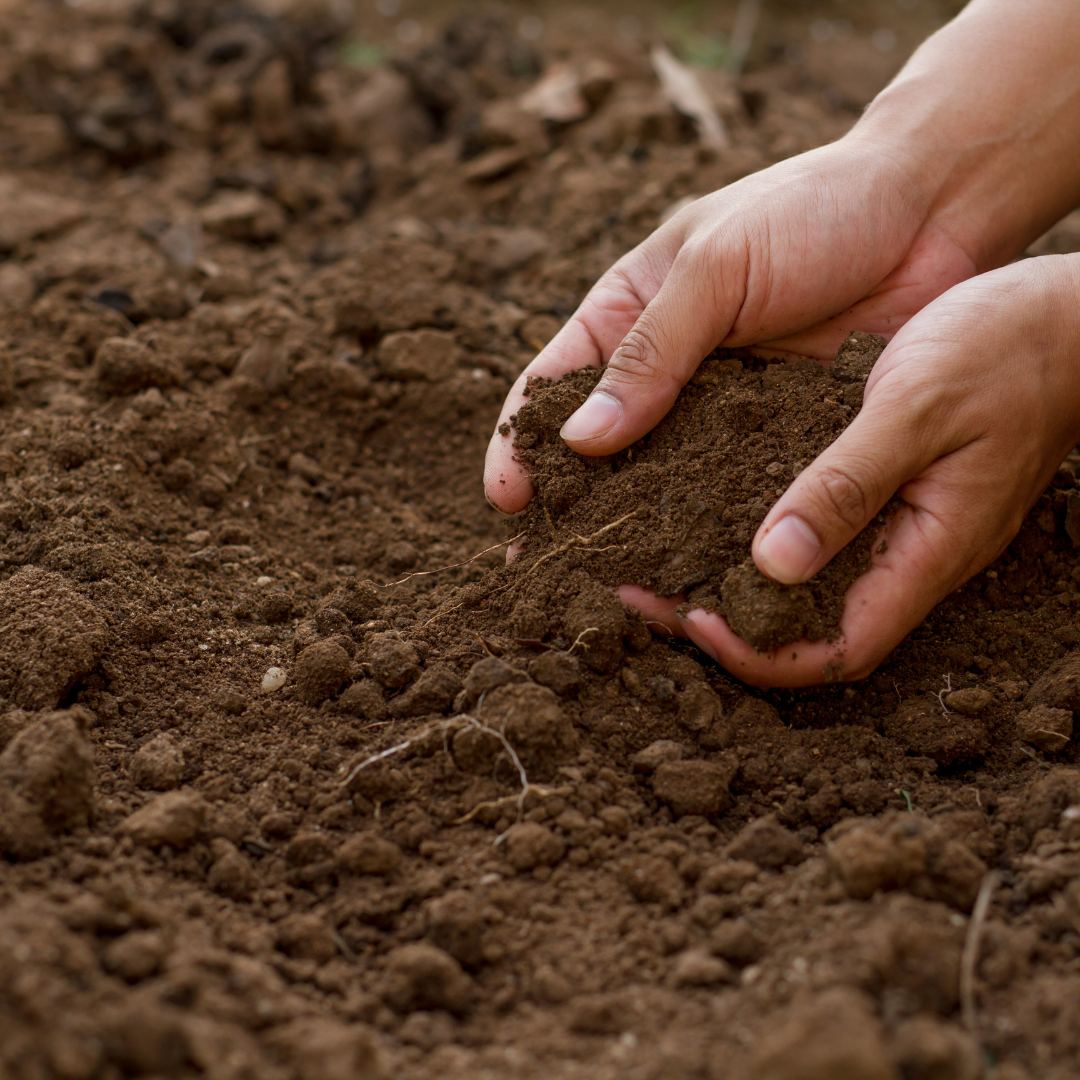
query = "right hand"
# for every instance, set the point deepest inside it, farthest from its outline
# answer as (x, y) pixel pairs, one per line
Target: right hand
(791, 259)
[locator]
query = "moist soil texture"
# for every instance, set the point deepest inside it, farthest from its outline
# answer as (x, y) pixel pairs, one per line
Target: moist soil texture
(676, 512)
(283, 797)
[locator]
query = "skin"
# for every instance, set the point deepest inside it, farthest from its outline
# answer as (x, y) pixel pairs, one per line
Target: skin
(903, 227)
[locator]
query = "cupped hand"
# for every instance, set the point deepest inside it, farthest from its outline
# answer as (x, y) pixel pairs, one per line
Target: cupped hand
(967, 414)
(792, 258)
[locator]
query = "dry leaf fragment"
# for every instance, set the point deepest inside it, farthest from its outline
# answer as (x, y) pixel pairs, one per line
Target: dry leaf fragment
(558, 96)
(682, 89)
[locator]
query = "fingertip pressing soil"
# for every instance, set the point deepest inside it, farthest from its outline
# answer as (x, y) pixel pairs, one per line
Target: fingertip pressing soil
(681, 505)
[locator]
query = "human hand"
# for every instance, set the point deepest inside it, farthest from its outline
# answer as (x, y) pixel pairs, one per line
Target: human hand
(967, 414)
(792, 259)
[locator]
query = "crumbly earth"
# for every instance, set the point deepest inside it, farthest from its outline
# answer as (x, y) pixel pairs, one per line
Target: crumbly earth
(266, 813)
(680, 507)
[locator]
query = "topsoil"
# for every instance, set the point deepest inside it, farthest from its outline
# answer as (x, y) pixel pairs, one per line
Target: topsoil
(281, 797)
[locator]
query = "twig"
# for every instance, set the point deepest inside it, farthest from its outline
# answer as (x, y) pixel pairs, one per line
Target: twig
(969, 959)
(455, 566)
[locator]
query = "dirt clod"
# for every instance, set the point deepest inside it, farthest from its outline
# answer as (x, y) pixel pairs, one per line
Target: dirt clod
(694, 787)
(53, 637)
(175, 818)
(159, 764)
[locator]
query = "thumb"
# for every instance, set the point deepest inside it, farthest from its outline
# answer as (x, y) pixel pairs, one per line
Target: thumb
(836, 497)
(690, 314)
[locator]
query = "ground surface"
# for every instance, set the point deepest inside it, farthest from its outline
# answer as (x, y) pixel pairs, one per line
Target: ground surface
(259, 310)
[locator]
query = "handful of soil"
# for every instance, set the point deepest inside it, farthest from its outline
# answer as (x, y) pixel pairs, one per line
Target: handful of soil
(694, 490)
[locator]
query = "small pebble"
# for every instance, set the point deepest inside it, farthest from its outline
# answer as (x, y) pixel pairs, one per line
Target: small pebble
(263, 582)
(274, 679)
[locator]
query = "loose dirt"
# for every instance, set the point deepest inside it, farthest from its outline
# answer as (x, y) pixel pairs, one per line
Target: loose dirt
(678, 509)
(282, 798)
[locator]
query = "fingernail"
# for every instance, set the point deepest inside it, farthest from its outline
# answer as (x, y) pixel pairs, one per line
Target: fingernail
(788, 551)
(600, 413)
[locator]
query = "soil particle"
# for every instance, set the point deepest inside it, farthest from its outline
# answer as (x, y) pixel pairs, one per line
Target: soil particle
(456, 924)
(831, 1035)
(365, 699)
(175, 818)
(652, 879)
(369, 853)
(433, 692)
(1059, 688)
(924, 1047)
(529, 845)
(697, 546)
(737, 942)
(422, 976)
(699, 968)
(391, 661)
(768, 844)
(320, 1048)
(124, 366)
(558, 672)
(53, 637)
(969, 702)
(50, 766)
(869, 857)
(306, 937)
(695, 787)
(1048, 729)
(231, 873)
(158, 765)
(320, 671)
(429, 355)
(533, 722)
(658, 753)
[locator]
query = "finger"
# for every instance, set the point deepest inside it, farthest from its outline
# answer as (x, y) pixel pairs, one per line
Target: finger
(918, 568)
(898, 433)
(689, 315)
(594, 331)
(657, 611)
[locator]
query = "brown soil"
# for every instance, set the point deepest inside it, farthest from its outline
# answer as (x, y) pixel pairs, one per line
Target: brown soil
(679, 508)
(261, 818)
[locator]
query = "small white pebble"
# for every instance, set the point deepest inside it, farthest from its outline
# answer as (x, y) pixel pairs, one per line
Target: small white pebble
(263, 581)
(274, 679)
(118, 467)
(205, 648)
(200, 537)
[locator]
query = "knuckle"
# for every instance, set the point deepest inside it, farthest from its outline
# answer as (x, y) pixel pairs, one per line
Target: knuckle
(640, 352)
(845, 496)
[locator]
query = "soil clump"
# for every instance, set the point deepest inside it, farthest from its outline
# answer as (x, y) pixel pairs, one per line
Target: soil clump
(680, 507)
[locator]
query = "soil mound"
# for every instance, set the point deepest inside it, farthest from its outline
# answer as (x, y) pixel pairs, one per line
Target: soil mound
(678, 509)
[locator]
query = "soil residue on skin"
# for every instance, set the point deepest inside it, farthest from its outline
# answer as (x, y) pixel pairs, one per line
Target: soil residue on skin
(687, 499)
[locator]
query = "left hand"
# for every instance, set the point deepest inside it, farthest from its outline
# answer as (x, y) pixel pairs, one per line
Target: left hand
(967, 414)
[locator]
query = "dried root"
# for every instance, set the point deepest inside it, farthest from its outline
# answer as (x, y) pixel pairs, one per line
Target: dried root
(450, 726)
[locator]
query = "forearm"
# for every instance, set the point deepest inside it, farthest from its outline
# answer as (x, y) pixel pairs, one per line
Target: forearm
(986, 117)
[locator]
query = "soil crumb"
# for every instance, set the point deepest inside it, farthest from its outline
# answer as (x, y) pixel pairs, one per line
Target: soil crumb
(686, 500)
